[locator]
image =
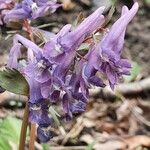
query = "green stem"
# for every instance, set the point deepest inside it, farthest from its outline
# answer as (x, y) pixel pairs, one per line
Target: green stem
(24, 128)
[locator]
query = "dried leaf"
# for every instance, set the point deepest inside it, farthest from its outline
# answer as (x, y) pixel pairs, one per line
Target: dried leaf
(136, 141)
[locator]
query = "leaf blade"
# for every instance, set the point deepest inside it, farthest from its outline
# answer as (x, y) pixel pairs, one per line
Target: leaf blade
(13, 81)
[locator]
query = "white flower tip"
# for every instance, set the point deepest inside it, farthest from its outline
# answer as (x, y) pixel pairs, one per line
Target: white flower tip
(34, 7)
(100, 10)
(124, 10)
(136, 6)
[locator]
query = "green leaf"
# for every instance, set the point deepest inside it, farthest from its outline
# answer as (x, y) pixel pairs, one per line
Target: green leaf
(9, 132)
(84, 46)
(45, 147)
(113, 2)
(55, 115)
(147, 1)
(10, 128)
(4, 145)
(135, 71)
(13, 81)
(79, 19)
(90, 146)
(110, 15)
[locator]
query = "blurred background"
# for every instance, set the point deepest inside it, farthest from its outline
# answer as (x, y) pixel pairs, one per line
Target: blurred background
(118, 120)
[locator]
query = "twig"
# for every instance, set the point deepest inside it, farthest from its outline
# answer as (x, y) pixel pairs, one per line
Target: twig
(124, 89)
(69, 148)
(39, 147)
(28, 29)
(134, 111)
(32, 137)
(135, 87)
(139, 116)
(46, 25)
(7, 96)
(24, 128)
(98, 30)
(75, 131)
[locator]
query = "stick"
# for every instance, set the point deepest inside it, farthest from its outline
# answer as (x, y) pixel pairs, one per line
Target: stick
(32, 137)
(69, 148)
(24, 128)
(133, 88)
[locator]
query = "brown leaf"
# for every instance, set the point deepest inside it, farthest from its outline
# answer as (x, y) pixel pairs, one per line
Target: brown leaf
(111, 145)
(136, 141)
(107, 145)
(6, 96)
(68, 4)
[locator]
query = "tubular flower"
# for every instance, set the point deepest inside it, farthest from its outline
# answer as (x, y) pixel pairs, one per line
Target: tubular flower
(58, 76)
(37, 75)
(29, 9)
(61, 50)
(67, 40)
(107, 53)
(5, 7)
(110, 47)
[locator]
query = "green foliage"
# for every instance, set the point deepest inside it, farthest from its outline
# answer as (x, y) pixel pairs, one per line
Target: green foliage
(84, 47)
(90, 146)
(4, 145)
(55, 115)
(135, 71)
(79, 19)
(110, 15)
(147, 1)
(45, 147)
(13, 81)
(113, 2)
(9, 133)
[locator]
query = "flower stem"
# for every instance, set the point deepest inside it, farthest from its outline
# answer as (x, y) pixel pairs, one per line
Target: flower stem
(24, 128)
(28, 29)
(32, 136)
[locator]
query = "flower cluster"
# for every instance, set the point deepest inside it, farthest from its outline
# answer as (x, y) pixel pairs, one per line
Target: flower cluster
(11, 11)
(59, 75)
(5, 6)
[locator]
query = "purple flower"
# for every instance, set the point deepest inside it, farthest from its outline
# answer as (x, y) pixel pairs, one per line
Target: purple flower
(6, 4)
(90, 69)
(18, 42)
(5, 7)
(72, 105)
(29, 9)
(39, 112)
(61, 50)
(29, 72)
(58, 75)
(106, 56)
(45, 134)
(68, 41)
(111, 46)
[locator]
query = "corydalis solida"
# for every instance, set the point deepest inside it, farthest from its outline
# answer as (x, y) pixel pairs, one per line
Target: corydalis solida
(12, 11)
(58, 75)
